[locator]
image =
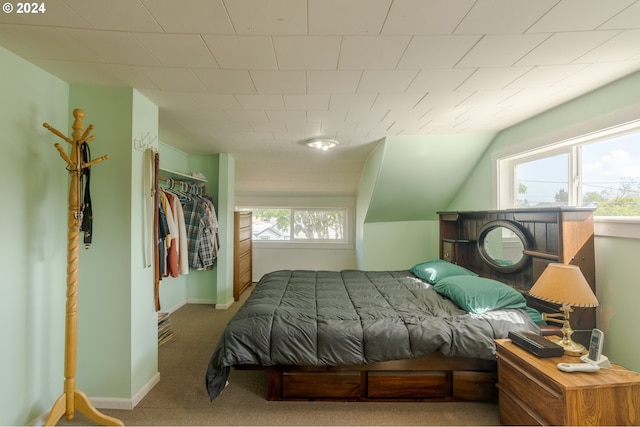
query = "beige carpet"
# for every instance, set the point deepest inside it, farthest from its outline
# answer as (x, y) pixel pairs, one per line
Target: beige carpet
(180, 398)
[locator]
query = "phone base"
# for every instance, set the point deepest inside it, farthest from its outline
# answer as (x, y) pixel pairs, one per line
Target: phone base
(602, 362)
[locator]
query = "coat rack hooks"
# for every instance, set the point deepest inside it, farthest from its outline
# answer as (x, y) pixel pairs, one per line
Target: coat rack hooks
(73, 399)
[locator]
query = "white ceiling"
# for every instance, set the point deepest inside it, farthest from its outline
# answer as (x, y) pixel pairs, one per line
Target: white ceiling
(256, 77)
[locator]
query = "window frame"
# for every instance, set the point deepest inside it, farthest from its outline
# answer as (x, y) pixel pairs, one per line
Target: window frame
(504, 163)
(346, 203)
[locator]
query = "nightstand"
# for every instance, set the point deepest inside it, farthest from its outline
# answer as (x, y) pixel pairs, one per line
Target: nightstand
(533, 391)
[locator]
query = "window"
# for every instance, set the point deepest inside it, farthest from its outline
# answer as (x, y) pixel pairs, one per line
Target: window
(601, 170)
(299, 224)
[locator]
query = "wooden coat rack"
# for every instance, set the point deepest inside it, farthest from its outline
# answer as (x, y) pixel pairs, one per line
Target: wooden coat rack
(73, 399)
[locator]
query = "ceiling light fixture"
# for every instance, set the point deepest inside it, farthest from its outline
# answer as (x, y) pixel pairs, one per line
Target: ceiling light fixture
(321, 143)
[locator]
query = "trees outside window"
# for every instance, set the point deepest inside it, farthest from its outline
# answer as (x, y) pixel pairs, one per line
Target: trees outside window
(299, 224)
(601, 172)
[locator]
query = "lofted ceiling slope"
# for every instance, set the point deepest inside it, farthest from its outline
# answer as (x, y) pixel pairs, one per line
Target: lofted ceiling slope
(255, 78)
(419, 176)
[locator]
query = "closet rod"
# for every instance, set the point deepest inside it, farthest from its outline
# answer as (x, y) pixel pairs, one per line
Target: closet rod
(189, 185)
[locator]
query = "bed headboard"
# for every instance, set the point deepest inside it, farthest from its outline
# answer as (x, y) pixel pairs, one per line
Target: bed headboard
(514, 246)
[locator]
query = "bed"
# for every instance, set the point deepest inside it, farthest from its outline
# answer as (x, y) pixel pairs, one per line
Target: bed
(424, 334)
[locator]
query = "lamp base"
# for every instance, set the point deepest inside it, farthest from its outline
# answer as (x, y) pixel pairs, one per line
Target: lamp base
(571, 348)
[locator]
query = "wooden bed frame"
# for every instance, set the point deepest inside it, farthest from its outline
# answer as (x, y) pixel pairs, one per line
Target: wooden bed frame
(551, 235)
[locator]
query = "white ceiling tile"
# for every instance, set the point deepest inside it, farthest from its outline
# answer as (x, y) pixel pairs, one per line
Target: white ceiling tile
(366, 115)
(190, 16)
(361, 52)
(501, 50)
(129, 75)
(340, 81)
(623, 46)
(172, 101)
(334, 116)
(226, 81)
(537, 96)
(398, 101)
(174, 79)
(358, 70)
(302, 53)
(268, 17)
(381, 81)
(115, 15)
(628, 18)
(45, 43)
(284, 82)
(242, 52)
(56, 14)
(444, 99)
(503, 16)
(261, 102)
(439, 79)
(546, 75)
(492, 78)
(564, 48)
(596, 75)
(592, 14)
(425, 17)
(350, 17)
(217, 101)
(436, 51)
(265, 128)
(352, 101)
(178, 50)
(286, 116)
(115, 47)
(247, 116)
(406, 116)
(194, 119)
(487, 97)
(306, 102)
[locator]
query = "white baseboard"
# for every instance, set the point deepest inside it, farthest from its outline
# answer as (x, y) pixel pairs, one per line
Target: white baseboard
(124, 403)
(175, 307)
(225, 306)
(110, 402)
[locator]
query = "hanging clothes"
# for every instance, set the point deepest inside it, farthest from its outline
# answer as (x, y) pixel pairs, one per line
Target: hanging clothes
(199, 233)
(192, 240)
(163, 232)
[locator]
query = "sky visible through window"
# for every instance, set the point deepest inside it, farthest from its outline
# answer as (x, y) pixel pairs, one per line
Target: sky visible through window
(610, 169)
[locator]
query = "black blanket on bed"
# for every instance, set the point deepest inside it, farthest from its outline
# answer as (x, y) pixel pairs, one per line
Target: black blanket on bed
(351, 317)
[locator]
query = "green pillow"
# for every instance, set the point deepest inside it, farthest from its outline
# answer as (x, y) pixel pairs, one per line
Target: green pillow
(536, 316)
(437, 269)
(479, 294)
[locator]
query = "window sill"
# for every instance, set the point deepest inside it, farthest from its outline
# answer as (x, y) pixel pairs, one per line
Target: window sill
(628, 227)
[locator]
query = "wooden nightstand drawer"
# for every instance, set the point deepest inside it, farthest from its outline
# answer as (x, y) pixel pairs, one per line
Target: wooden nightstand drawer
(529, 392)
(534, 391)
(511, 413)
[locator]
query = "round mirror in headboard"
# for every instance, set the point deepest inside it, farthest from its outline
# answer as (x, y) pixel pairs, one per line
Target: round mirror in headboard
(501, 245)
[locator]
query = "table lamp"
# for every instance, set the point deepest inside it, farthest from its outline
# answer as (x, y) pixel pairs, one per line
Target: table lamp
(564, 284)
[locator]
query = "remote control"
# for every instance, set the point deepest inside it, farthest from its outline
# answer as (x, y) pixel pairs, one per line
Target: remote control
(578, 367)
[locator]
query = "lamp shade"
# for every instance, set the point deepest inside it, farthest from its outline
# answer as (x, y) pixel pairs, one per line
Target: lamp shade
(564, 284)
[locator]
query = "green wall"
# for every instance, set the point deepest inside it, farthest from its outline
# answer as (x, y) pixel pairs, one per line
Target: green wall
(34, 231)
(117, 326)
(616, 286)
(399, 245)
(404, 183)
